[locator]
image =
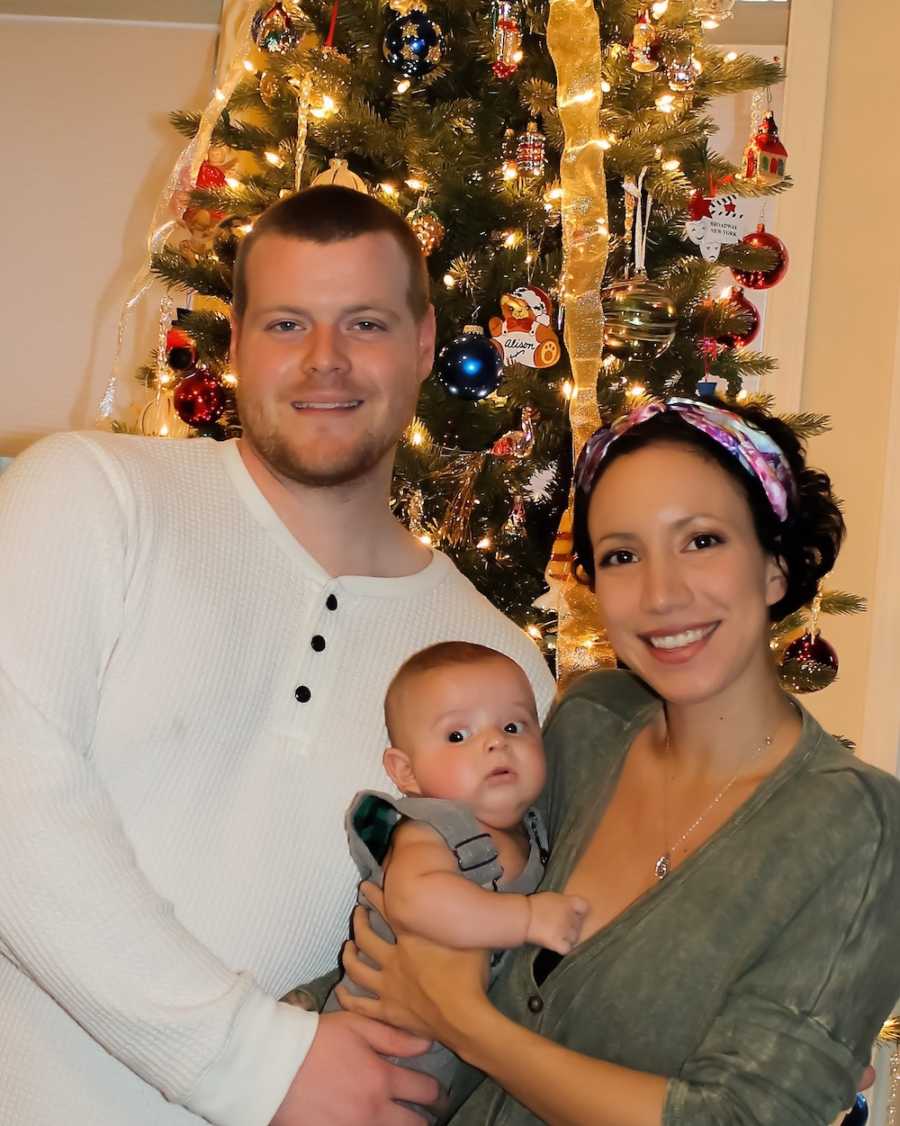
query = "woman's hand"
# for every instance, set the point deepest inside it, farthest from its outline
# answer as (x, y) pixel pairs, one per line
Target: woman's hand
(419, 986)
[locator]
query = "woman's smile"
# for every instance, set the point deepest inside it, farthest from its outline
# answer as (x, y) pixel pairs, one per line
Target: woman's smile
(677, 645)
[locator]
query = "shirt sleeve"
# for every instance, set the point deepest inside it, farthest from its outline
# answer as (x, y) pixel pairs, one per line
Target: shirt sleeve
(77, 914)
(796, 1032)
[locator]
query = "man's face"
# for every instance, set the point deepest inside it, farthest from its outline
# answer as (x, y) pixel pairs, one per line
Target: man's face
(329, 356)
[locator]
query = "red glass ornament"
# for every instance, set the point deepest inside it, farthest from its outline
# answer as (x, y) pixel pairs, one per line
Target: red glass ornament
(742, 339)
(809, 664)
(210, 176)
(762, 239)
(199, 398)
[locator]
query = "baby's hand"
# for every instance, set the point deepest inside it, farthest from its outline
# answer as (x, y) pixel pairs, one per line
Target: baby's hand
(555, 920)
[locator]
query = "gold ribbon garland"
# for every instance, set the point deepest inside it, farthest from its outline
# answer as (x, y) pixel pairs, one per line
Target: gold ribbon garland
(573, 39)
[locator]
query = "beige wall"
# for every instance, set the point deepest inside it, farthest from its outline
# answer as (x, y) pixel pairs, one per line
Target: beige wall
(86, 150)
(850, 369)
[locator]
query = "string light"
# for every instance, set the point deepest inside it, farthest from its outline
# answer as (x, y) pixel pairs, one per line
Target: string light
(233, 182)
(731, 56)
(230, 378)
(246, 228)
(416, 185)
(665, 103)
(742, 395)
(512, 239)
(402, 86)
(636, 390)
(449, 281)
(484, 543)
(219, 95)
(671, 165)
(580, 99)
(605, 143)
(535, 632)
(567, 390)
(249, 67)
(425, 538)
(388, 189)
(417, 433)
(660, 8)
(165, 378)
(164, 431)
(605, 86)
(274, 159)
(510, 173)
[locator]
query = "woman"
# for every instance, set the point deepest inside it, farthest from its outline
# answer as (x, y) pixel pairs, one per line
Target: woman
(742, 868)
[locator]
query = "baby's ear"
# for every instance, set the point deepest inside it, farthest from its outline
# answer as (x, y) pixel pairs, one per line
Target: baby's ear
(399, 769)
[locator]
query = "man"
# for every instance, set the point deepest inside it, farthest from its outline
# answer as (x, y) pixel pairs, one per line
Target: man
(195, 639)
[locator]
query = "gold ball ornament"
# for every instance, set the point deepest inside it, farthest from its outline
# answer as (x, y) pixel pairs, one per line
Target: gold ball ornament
(713, 12)
(429, 229)
(640, 319)
(338, 172)
(269, 88)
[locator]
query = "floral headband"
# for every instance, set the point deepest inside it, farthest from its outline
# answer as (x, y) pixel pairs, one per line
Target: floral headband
(759, 454)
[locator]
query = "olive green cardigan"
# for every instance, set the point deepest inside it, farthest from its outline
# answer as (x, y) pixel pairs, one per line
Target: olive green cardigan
(758, 974)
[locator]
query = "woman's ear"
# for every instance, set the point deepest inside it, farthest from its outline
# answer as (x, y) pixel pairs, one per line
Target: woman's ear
(399, 769)
(776, 580)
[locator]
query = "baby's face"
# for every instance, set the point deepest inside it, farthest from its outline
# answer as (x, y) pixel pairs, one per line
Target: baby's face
(472, 735)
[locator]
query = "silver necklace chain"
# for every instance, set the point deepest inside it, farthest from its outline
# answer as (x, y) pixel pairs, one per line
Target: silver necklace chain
(663, 864)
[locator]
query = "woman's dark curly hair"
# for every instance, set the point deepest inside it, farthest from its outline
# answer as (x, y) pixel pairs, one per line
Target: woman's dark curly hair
(806, 544)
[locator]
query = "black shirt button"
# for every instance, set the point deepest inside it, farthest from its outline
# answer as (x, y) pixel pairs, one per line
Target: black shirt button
(318, 643)
(303, 694)
(535, 1004)
(331, 602)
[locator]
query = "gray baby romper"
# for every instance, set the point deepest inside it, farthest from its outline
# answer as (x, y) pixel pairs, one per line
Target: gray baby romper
(371, 819)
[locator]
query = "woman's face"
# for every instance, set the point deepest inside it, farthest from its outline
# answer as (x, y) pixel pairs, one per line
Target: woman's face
(683, 585)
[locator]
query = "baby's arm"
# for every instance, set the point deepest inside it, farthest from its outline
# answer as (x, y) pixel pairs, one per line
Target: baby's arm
(426, 894)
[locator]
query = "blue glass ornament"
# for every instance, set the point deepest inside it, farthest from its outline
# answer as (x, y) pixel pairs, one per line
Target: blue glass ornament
(470, 366)
(859, 1113)
(413, 44)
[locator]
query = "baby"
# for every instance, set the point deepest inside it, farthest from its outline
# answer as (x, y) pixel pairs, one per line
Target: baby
(466, 753)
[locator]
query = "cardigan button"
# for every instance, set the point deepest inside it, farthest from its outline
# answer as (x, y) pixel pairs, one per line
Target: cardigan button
(331, 602)
(535, 1004)
(318, 643)
(302, 694)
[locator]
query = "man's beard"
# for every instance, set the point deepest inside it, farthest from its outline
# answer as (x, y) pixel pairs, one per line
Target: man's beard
(279, 454)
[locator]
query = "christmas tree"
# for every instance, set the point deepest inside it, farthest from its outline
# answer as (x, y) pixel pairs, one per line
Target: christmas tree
(526, 164)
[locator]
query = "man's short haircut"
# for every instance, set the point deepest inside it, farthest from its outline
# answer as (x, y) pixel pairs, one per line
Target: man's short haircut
(443, 655)
(329, 214)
